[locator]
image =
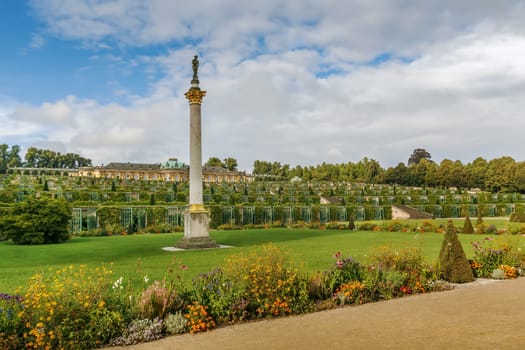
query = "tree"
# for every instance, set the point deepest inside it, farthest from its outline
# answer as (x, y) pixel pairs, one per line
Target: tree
(4, 157)
(38, 158)
(453, 263)
(214, 161)
(399, 175)
(230, 164)
(9, 157)
(31, 157)
(262, 167)
(14, 159)
(467, 226)
(37, 221)
(417, 155)
(500, 175)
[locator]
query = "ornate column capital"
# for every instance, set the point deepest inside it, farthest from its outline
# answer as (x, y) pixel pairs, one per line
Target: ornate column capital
(195, 95)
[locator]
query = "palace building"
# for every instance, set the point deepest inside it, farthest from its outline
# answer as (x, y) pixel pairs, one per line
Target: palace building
(171, 170)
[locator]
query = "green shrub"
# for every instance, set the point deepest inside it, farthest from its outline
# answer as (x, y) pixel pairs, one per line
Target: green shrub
(517, 217)
(367, 226)
(454, 266)
(37, 221)
(428, 226)
(467, 226)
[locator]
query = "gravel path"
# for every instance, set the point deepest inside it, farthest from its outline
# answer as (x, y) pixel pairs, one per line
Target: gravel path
(486, 314)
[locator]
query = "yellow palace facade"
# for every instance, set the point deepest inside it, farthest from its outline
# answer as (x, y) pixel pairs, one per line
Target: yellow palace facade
(172, 170)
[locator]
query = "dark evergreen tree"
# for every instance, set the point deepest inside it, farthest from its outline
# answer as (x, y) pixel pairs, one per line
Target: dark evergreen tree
(351, 223)
(453, 263)
(467, 226)
(417, 155)
(479, 221)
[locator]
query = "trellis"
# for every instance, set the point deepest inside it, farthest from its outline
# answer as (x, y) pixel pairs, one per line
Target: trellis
(438, 211)
(379, 213)
(324, 215)
(491, 210)
(83, 219)
(248, 215)
(174, 216)
(227, 215)
(268, 215)
(359, 213)
(306, 214)
(287, 215)
(454, 211)
(341, 213)
(126, 216)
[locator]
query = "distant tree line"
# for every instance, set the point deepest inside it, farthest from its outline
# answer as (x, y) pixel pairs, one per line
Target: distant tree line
(502, 174)
(39, 158)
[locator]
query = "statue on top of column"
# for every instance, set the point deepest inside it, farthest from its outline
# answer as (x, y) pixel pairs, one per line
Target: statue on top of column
(195, 64)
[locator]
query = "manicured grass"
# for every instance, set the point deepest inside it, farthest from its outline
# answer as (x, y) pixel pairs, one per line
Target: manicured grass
(136, 256)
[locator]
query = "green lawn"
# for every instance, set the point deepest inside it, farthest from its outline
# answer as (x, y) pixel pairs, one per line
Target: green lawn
(136, 256)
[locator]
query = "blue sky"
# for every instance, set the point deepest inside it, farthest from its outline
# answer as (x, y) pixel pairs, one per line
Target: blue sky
(300, 82)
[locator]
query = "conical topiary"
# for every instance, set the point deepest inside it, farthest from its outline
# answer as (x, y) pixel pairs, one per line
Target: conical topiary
(351, 223)
(480, 218)
(467, 226)
(453, 263)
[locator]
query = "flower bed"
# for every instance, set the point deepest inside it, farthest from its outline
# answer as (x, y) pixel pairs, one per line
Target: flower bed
(77, 307)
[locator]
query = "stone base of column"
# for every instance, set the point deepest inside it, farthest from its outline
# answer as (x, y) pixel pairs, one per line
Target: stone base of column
(196, 231)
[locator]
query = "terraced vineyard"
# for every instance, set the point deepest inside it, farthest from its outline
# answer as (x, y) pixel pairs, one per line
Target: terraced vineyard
(115, 206)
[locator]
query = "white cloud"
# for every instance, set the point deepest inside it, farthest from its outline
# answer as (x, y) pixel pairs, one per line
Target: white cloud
(294, 83)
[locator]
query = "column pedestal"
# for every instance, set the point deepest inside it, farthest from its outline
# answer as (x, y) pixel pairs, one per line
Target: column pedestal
(196, 226)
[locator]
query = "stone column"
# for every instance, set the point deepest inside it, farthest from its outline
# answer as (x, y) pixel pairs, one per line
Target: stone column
(196, 218)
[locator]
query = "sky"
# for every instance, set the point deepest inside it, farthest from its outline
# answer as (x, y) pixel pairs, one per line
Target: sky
(298, 82)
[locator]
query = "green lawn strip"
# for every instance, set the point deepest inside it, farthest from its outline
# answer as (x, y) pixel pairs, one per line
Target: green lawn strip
(134, 257)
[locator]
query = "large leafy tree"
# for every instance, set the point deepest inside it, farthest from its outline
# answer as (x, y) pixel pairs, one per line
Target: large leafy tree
(214, 161)
(45, 158)
(37, 221)
(230, 164)
(417, 155)
(9, 157)
(501, 174)
(4, 157)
